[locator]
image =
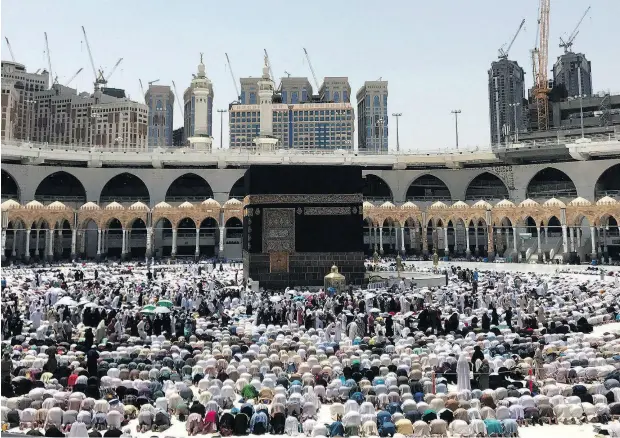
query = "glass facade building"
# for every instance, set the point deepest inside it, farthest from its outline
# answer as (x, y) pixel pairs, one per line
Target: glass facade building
(297, 126)
(372, 117)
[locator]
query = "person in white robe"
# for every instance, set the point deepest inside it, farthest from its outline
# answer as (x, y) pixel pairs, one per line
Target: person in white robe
(462, 374)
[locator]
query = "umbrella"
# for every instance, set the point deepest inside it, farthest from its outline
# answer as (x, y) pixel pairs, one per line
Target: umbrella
(165, 303)
(148, 309)
(66, 301)
(161, 309)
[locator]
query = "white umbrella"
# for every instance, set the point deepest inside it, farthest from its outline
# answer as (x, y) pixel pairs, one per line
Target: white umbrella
(66, 301)
(162, 309)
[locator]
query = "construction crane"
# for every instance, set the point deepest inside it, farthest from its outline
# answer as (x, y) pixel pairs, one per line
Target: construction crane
(142, 90)
(92, 62)
(10, 49)
(541, 87)
(153, 82)
(503, 54)
(288, 75)
(568, 44)
(312, 70)
(269, 65)
(176, 94)
(73, 77)
(49, 58)
(111, 71)
(232, 75)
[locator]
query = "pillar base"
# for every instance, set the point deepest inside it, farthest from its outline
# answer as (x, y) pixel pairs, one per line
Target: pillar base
(98, 257)
(468, 254)
(125, 256)
(26, 259)
(381, 251)
(491, 256)
(74, 256)
(3, 258)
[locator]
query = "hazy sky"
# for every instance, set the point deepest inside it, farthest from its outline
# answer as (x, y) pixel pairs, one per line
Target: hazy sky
(434, 53)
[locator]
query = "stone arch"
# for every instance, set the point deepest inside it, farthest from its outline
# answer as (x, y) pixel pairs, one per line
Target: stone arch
(429, 188)
(209, 236)
(10, 188)
(486, 186)
(234, 228)
(89, 226)
(186, 236)
(237, 191)
(114, 236)
(608, 184)
(125, 187)
(137, 237)
(61, 186)
(189, 187)
(162, 236)
(550, 183)
(376, 189)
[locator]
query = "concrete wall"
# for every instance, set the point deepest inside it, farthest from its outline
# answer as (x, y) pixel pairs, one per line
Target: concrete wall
(584, 175)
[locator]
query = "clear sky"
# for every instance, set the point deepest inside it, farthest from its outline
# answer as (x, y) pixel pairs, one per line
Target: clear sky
(434, 53)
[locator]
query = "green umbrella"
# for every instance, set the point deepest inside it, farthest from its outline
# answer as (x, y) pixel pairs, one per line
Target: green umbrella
(148, 309)
(165, 303)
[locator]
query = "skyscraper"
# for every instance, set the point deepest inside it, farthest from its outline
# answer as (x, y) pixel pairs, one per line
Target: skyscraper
(249, 91)
(160, 100)
(506, 99)
(566, 72)
(372, 117)
(198, 106)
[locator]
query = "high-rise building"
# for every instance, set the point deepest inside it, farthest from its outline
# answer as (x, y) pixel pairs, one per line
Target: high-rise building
(372, 117)
(91, 120)
(566, 72)
(335, 89)
(198, 106)
(160, 101)
(10, 104)
(26, 85)
(295, 90)
(507, 107)
(249, 91)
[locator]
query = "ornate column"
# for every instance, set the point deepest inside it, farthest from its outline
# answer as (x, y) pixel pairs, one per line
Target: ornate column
(546, 235)
(50, 248)
(572, 239)
(99, 242)
(73, 242)
(445, 241)
(538, 237)
(46, 241)
(564, 239)
(173, 253)
(381, 239)
(515, 241)
(59, 243)
(467, 247)
(149, 242)
(197, 250)
(476, 250)
(402, 239)
(3, 242)
(593, 240)
(605, 253)
(425, 240)
(27, 252)
(500, 241)
(222, 236)
(124, 244)
(491, 243)
(36, 244)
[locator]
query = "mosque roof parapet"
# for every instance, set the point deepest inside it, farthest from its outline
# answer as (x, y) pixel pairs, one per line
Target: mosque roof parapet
(114, 206)
(90, 206)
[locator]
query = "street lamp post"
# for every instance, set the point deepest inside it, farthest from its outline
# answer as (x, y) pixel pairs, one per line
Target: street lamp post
(397, 115)
(514, 110)
(222, 111)
(456, 113)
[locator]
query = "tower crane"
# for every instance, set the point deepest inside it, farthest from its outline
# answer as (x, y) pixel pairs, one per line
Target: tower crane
(568, 44)
(73, 77)
(503, 54)
(269, 65)
(176, 94)
(142, 90)
(232, 75)
(153, 82)
(312, 70)
(49, 58)
(98, 80)
(112, 71)
(541, 87)
(10, 49)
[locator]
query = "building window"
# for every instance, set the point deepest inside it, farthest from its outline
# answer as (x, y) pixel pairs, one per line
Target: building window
(375, 102)
(336, 97)
(295, 97)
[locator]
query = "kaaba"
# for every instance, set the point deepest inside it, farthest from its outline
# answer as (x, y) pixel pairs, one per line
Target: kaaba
(298, 221)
